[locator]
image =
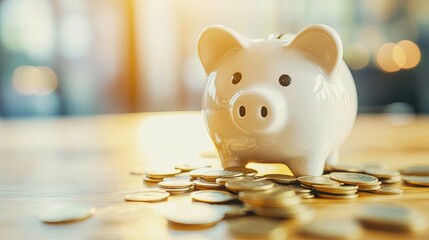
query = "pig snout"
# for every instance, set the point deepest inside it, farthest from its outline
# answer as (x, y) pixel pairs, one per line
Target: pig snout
(258, 110)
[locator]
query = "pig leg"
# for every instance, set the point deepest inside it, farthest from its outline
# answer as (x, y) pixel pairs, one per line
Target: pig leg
(231, 161)
(311, 165)
(332, 158)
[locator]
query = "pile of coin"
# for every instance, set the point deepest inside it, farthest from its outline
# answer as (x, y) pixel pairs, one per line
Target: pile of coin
(364, 182)
(392, 217)
(416, 175)
(277, 202)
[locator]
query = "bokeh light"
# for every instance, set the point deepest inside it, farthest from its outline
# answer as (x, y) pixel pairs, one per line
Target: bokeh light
(37, 81)
(357, 56)
(412, 53)
(385, 59)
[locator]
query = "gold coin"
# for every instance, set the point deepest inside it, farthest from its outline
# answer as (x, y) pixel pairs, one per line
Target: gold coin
(194, 213)
(191, 166)
(388, 190)
(178, 178)
(353, 178)
(382, 172)
(337, 196)
(275, 197)
(417, 180)
(245, 171)
(161, 171)
(281, 178)
(237, 212)
(391, 180)
(336, 189)
(197, 173)
(256, 227)
(213, 174)
(417, 170)
(147, 196)
(249, 185)
(213, 196)
(175, 184)
(152, 180)
(66, 213)
(125, 212)
(177, 190)
(370, 187)
(333, 229)
(317, 180)
(393, 217)
(201, 183)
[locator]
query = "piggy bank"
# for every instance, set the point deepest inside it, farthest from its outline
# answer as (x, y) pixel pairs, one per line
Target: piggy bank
(288, 99)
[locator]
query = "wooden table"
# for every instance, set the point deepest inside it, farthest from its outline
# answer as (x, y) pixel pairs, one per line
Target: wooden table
(86, 159)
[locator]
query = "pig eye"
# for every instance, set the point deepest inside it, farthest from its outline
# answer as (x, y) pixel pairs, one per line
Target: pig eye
(285, 80)
(236, 78)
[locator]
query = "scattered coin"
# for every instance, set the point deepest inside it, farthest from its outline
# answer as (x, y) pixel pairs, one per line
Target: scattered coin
(194, 213)
(147, 196)
(175, 184)
(382, 172)
(373, 187)
(388, 190)
(244, 170)
(152, 180)
(275, 197)
(256, 227)
(178, 178)
(317, 180)
(417, 170)
(417, 180)
(392, 217)
(354, 178)
(201, 183)
(161, 171)
(391, 180)
(344, 189)
(178, 190)
(197, 173)
(333, 229)
(213, 174)
(213, 196)
(337, 196)
(223, 180)
(237, 212)
(66, 213)
(191, 166)
(294, 211)
(249, 185)
(281, 178)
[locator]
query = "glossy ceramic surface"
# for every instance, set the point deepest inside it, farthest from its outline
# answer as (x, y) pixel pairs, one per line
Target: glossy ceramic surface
(288, 100)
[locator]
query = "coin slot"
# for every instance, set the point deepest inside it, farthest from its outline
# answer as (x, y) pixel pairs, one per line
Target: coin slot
(242, 111)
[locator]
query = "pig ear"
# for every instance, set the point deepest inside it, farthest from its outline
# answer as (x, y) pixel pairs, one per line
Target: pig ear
(216, 41)
(324, 43)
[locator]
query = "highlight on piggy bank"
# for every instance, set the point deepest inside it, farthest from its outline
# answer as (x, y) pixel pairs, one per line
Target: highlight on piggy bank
(290, 99)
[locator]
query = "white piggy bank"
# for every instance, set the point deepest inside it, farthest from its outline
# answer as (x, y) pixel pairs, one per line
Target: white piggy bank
(289, 100)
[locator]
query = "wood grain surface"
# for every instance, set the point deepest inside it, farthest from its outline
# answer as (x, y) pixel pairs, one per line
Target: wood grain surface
(44, 162)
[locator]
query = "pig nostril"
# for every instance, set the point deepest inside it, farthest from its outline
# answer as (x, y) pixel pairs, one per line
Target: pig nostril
(264, 111)
(242, 111)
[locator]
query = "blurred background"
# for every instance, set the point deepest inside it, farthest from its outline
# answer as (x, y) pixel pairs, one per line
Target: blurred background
(80, 57)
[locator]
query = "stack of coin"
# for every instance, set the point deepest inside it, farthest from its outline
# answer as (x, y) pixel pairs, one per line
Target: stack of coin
(281, 178)
(278, 202)
(392, 217)
(158, 173)
(416, 175)
(336, 192)
(248, 185)
(176, 186)
(309, 181)
(365, 182)
(385, 175)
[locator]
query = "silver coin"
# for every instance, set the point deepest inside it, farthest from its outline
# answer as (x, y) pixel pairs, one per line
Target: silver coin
(417, 180)
(281, 178)
(213, 196)
(193, 214)
(317, 180)
(333, 229)
(213, 174)
(417, 170)
(66, 213)
(244, 170)
(353, 178)
(382, 172)
(147, 196)
(249, 185)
